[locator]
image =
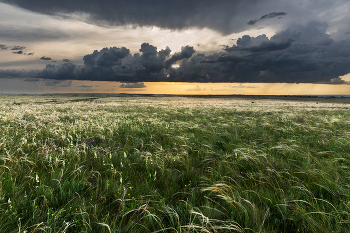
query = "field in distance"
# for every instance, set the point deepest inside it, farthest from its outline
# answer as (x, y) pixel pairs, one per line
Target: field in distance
(124, 163)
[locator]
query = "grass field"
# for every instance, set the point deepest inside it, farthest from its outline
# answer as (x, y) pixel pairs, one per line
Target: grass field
(159, 164)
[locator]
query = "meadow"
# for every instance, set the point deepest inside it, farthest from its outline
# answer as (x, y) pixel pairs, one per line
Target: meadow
(173, 164)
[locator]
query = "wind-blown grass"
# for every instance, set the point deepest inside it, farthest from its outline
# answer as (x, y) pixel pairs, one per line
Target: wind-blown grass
(151, 164)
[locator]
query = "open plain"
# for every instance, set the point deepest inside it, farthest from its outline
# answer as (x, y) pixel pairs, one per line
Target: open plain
(174, 164)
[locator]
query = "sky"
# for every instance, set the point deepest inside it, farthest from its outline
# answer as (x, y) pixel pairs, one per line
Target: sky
(262, 47)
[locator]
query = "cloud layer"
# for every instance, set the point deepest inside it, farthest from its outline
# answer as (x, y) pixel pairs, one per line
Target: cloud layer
(180, 14)
(225, 16)
(303, 53)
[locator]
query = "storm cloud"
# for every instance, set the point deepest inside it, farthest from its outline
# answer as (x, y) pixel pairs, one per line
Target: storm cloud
(186, 52)
(106, 57)
(313, 32)
(118, 64)
(264, 46)
(169, 14)
(18, 73)
(303, 53)
(224, 16)
(65, 71)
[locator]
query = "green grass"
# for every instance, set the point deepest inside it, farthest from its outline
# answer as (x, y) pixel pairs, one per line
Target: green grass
(151, 164)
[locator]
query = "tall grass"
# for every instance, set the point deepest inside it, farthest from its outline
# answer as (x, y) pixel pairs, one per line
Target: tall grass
(173, 165)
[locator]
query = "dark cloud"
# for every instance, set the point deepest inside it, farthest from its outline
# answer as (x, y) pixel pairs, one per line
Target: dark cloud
(30, 54)
(247, 41)
(99, 64)
(306, 60)
(311, 33)
(106, 57)
(18, 74)
(116, 64)
(299, 54)
(45, 58)
(66, 60)
(3, 47)
(267, 16)
(150, 60)
(186, 52)
(308, 55)
(12, 73)
(65, 71)
(18, 52)
(18, 48)
(340, 28)
(112, 64)
(265, 46)
(226, 16)
(133, 85)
